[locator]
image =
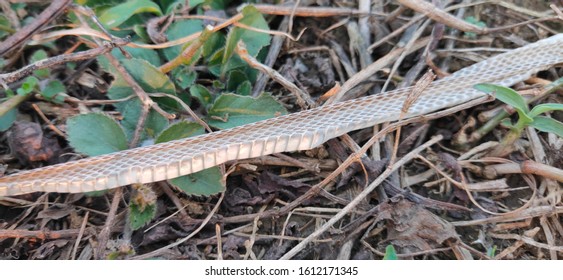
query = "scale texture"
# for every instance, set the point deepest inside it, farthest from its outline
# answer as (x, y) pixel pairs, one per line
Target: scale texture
(293, 132)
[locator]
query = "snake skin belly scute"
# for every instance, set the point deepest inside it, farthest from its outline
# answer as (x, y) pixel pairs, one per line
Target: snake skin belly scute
(299, 131)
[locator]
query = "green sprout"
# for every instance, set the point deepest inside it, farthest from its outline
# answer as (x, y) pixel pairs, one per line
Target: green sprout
(526, 117)
(390, 253)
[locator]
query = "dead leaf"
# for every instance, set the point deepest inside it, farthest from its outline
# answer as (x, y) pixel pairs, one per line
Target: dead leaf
(411, 228)
(55, 212)
(29, 145)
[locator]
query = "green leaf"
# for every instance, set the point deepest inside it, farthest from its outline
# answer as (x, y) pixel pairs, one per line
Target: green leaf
(507, 123)
(8, 119)
(117, 15)
(154, 124)
(95, 134)
(390, 253)
(234, 79)
(214, 44)
(151, 56)
(202, 94)
(29, 84)
(148, 77)
(142, 207)
(141, 31)
(245, 88)
(180, 130)
(253, 40)
(542, 108)
(230, 110)
(548, 125)
(180, 29)
(206, 182)
(507, 96)
(217, 4)
(97, 3)
(476, 22)
(5, 27)
(184, 76)
(54, 91)
(217, 84)
(36, 56)
(215, 62)
(491, 252)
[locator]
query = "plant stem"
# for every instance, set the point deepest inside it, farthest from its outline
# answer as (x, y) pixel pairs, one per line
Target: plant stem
(188, 54)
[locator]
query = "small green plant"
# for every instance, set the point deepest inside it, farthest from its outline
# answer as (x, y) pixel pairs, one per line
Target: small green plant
(390, 253)
(491, 252)
(475, 22)
(526, 117)
(39, 83)
(168, 76)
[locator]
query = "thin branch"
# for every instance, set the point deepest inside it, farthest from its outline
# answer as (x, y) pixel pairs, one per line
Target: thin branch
(106, 47)
(53, 11)
(367, 191)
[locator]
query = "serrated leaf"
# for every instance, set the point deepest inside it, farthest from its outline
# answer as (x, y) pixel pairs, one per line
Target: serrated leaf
(543, 108)
(230, 110)
(390, 253)
(180, 130)
(54, 91)
(95, 134)
(154, 124)
(206, 182)
(36, 56)
(550, 125)
(117, 15)
(507, 96)
(140, 216)
(8, 119)
(253, 40)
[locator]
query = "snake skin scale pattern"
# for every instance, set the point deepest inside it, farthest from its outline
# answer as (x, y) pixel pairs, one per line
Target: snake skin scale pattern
(298, 131)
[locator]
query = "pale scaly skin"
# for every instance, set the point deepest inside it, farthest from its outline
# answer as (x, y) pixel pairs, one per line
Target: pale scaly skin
(298, 131)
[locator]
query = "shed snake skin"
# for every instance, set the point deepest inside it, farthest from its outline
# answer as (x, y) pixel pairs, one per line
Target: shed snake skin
(298, 131)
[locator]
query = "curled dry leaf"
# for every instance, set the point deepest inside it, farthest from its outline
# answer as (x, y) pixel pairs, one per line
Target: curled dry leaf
(29, 145)
(411, 228)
